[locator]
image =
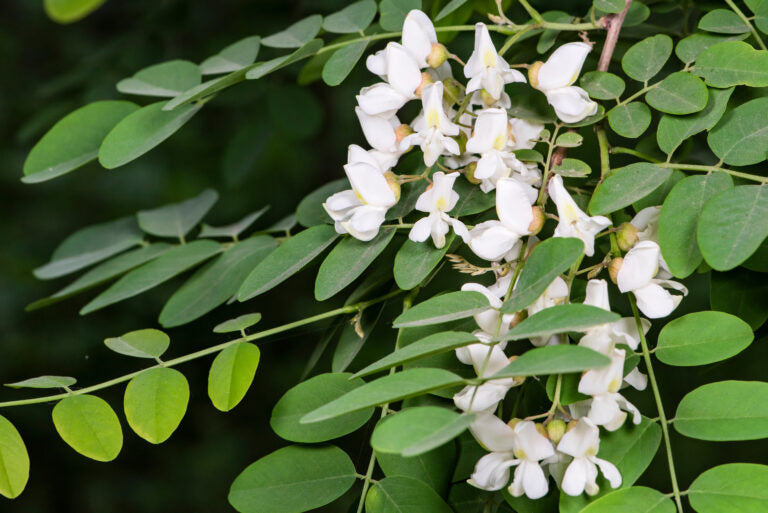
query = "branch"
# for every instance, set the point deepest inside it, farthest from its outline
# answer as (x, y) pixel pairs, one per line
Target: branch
(612, 25)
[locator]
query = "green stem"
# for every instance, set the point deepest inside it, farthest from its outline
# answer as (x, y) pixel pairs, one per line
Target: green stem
(513, 39)
(634, 153)
(605, 164)
(659, 404)
(543, 191)
(690, 167)
(744, 18)
(640, 93)
(533, 13)
(209, 350)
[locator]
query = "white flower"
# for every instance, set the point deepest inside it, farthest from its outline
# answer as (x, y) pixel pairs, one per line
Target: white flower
(583, 442)
(486, 69)
(437, 200)
(522, 446)
(419, 36)
(573, 221)
(637, 272)
(481, 398)
(647, 223)
(489, 139)
(524, 134)
(380, 132)
(493, 240)
(361, 210)
(603, 385)
(555, 294)
(401, 72)
(555, 79)
(488, 320)
(433, 128)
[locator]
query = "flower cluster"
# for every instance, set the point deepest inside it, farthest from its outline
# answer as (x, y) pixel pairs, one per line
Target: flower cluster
(468, 130)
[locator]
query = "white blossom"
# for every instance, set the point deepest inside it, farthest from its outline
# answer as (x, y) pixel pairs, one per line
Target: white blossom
(573, 221)
(555, 294)
(380, 132)
(486, 69)
(433, 128)
(583, 443)
(402, 75)
(603, 385)
(436, 201)
(419, 36)
(555, 79)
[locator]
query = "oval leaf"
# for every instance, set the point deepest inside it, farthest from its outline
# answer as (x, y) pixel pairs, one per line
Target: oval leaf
(733, 63)
(68, 11)
(232, 58)
(90, 426)
(602, 85)
(700, 338)
(443, 308)
(731, 488)
(553, 360)
(14, 460)
(418, 430)
(741, 138)
(561, 319)
(723, 21)
(341, 63)
(630, 120)
(645, 59)
(297, 35)
(155, 402)
(231, 374)
(177, 219)
(637, 499)
(625, 186)
(165, 79)
(678, 93)
(44, 382)
(353, 18)
(238, 323)
(414, 261)
(399, 494)
(232, 230)
(149, 343)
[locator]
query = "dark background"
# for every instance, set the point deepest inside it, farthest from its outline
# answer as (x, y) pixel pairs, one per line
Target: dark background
(261, 143)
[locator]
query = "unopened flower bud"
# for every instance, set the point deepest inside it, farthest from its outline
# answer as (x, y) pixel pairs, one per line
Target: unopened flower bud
(533, 73)
(394, 183)
(437, 55)
(402, 132)
(426, 79)
(470, 173)
(452, 89)
(571, 425)
(542, 430)
(538, 220)
(517, 318)
(556, 430)
(626, 236)
(613, 269)
(488, 100)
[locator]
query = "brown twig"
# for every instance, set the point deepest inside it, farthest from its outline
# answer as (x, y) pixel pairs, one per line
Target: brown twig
(612, 26)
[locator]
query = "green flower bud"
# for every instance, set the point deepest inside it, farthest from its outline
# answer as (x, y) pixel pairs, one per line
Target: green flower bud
(626, 236)
(556, 429)
(437, 55)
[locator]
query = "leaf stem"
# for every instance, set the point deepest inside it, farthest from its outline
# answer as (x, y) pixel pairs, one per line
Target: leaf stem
(746, 21)
(659, 404)
(209, 350)
(533, 13)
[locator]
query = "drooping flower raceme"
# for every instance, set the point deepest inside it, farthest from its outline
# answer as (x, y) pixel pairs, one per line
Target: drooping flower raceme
(583, 443)
(436, 201)
(573, 221)
(486, 69)
(555, 79)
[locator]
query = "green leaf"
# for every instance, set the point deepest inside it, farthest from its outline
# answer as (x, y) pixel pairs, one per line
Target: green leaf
(602, 85)
(659, 194)
(297, 35)
(674, 130)
(347, 261)
(44, 382)
(141, 131)
(731, 488)
(569, 140)
(288, 259)
(177, 219)
(90, 245)
(553, 360)
(14, 460)
(529, 155)
(310, 211)
(433, 468)
(547, 260)
(231, 374)
(679, 219)
(310, 395)
(232, 230)
(472, 200)
(293, 479)
(631, 448)
(103, 273)
(232, 58)
(610, 6)
(341, 63)
(449, 8)
(732, 225)
(261, 69)
(283, 225)
(414, 431)
(173, 262)
(630, 120)
(147, 343)
(723, 21)
(742, 293)
(700, 338)
(572, 168)
(155, 402)
(399, 494)
(733, 63)
(90, 426)
(68, 11)
(678, 93)
(428, 346)
(626, 185)
(240, 323)
(760, 8)
(725, 411)
(393, 13)
(443, 308)
(561, 319)
(645, 59)
(74, 140)
(394, 387)
(741, 138)
(637, 499)
(549, 36)
(353, 18)
(414, 261)
(689, 48)
(212, 285)
(169, 79)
